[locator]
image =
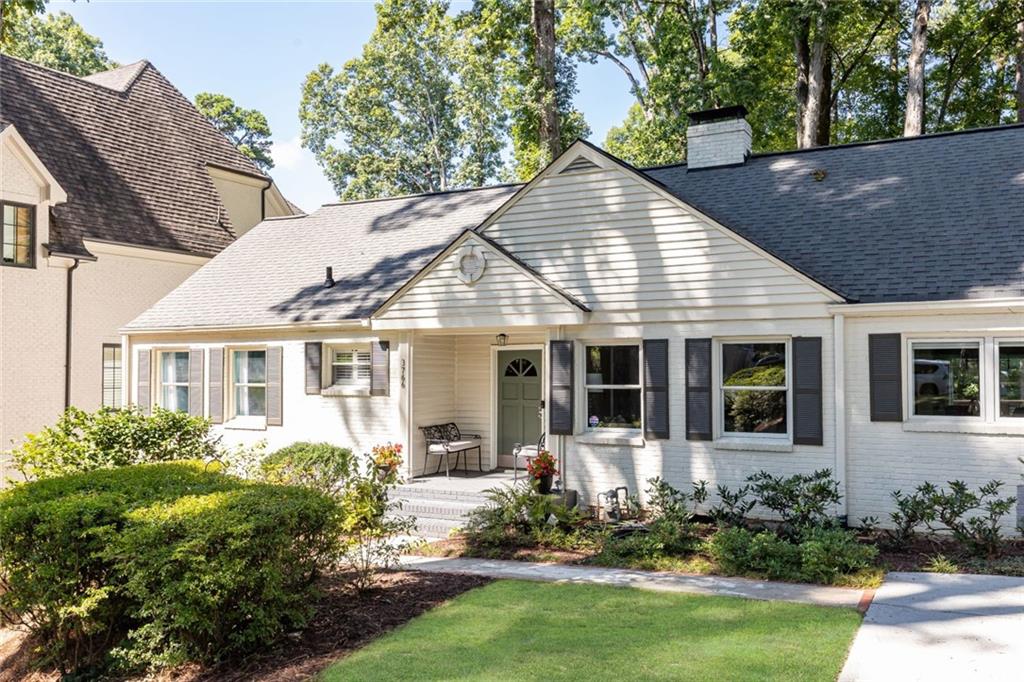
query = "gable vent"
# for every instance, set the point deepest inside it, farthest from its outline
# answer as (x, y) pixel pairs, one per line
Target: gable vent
(578, 165)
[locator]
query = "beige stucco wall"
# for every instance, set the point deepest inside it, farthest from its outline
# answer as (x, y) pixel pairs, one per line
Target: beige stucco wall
(242, 196)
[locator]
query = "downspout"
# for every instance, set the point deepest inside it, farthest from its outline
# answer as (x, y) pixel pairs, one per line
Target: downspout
(67, 334)
(839, 397)
(263, 202)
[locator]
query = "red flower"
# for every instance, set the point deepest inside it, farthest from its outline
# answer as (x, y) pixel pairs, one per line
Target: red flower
(544, 464)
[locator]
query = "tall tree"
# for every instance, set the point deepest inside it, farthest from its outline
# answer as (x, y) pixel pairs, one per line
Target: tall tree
(8, 7)
(544, 58)
(913, 124)
(247, 129)
(417, 111)
(56, 41)
(1019, 68)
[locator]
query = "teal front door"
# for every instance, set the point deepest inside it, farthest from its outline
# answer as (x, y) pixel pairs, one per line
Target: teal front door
(519, 398)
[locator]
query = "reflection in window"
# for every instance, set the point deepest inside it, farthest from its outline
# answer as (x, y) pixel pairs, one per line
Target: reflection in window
(754, 388)
(250, 382)
(613, 387)
(174, 380)
(17, 235)
(1011, 380)
(947, 379)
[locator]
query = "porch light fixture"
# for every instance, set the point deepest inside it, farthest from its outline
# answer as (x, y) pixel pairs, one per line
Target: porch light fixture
(502, 339)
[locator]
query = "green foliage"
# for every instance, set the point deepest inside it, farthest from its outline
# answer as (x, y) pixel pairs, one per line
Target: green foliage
(83, 441)
(826, 554)
(55, 41)
(518, 516)
(940, 564)
(733, 506)
(247, 129)
(801, 500)
(973, 517)
(171, 559)
(321, 466)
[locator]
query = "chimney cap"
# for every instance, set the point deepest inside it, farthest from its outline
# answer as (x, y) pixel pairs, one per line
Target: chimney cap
(709, 115)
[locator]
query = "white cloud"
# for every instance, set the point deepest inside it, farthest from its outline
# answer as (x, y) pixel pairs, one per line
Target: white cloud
(287, 154)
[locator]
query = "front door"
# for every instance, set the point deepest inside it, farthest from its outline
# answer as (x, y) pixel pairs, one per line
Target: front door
(519, 398)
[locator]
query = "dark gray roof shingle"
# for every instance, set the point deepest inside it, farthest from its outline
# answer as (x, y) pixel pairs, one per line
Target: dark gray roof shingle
(130, 151)
(274, 274)
(918, 219)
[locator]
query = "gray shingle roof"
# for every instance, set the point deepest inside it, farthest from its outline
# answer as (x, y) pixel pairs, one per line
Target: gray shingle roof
(928, 218)
(129, 149)
(274, 274)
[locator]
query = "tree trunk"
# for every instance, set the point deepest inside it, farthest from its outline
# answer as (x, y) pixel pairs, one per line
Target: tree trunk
(825, 105)
(913, 123)
(1019, 76)
(544, 56)
(802, 52)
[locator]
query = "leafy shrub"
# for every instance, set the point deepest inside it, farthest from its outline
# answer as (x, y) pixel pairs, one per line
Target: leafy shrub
(800, 500)
(321, 466)
(84, 441)
(828, 553)
(171, 559)
(733, 507)
(730, 547)
(912, 511)
(517, 516)
(241, 460)
(774, 557)
(940, 564)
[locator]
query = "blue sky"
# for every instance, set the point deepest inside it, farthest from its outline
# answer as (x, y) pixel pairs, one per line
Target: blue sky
(259, 53)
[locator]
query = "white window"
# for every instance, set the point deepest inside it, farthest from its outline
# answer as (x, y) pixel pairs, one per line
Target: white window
(350, 367)
(754, 388)
(111, 386)
(174, 372)
(946, 379)
(1010, 380)
(613, 386)
(249, 383)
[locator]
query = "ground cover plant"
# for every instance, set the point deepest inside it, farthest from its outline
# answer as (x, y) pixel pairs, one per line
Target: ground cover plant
(542, 631)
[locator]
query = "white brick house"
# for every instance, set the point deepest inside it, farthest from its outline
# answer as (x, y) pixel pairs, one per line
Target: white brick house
(857, 308)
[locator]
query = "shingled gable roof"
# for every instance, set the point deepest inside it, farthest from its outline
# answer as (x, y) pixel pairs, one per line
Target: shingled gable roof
(130, 150)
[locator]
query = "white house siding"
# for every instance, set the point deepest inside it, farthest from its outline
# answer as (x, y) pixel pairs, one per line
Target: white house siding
(357, 422)
(593, 468)
(434, 396)
(616, 244)
(886, 456)
(440, 296)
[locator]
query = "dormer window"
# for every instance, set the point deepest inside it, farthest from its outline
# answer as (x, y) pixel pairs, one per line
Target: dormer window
(18, 237)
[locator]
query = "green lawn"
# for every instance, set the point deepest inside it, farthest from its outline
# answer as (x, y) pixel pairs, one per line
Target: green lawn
(513, 630)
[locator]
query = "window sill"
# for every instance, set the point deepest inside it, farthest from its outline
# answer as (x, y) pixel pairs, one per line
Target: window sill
(611, 439)
(753, 444)
(345, 391)
(977, 427)
(247, 424)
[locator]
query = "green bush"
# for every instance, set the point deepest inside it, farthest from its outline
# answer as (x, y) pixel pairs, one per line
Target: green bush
(801, 500)
(171, 560)
(828, 553)
(774, 557)
(321, 466)
(519, 516)
(84, 441)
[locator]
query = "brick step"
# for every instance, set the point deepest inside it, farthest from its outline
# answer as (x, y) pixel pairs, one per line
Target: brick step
(436, 528)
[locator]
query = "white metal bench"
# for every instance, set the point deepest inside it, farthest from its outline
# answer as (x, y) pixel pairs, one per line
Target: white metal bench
(444, 440)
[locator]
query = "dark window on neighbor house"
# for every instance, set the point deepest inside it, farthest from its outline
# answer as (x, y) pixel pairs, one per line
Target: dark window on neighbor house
(947, 379)
(111, 375)
(17, 241)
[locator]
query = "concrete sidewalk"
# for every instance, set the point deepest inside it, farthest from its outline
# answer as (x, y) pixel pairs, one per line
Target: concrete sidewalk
(646, 580)
(931, 627)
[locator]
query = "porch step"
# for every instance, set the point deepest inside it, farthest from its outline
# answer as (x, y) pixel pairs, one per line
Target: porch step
(437, 509)
(435, 529)
(414, 492)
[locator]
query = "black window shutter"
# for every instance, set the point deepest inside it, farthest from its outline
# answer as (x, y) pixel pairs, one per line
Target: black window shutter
(561, 389)
(656, 414)
(275, 392)
(314, 374)
(698, 389)
(217, 385)
(807, 409)
(885, 370)
(144, 397)
(380, 368)
(195, 382)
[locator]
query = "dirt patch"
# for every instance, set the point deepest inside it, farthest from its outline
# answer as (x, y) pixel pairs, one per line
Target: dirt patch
(344, 622)
(919, 554)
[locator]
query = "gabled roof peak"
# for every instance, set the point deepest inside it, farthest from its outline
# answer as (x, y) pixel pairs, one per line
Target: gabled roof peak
(120, 78)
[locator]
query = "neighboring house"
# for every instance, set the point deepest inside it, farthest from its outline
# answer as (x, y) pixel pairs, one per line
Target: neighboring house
(696, 321)
(113, 190)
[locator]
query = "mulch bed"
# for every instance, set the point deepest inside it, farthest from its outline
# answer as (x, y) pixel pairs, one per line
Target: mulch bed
(916, 555)
(344, 621)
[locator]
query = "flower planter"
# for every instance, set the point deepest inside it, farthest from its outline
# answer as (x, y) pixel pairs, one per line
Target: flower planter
(544, 484)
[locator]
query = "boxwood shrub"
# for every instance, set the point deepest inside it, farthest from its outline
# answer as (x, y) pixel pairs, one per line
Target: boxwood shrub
(159, 563)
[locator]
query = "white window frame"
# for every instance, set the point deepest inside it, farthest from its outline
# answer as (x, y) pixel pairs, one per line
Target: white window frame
(997, 344)
(356, 350)
(160, 383)
(236, 419)
(984, 383)
(116, 375)
(585, 387)
(718, 408)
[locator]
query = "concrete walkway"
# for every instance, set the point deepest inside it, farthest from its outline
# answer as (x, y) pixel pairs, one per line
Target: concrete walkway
(646, 580)
(930, 627)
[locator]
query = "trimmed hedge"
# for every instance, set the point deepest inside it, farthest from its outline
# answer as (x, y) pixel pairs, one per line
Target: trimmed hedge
(321, 466)
(164, 562)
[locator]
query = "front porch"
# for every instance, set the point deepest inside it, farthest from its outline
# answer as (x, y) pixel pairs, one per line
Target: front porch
(490, 390)
(442, 504)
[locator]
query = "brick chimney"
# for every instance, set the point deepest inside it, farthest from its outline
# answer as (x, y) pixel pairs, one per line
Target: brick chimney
(718, 137)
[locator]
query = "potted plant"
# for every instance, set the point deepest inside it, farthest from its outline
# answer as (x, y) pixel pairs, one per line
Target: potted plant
(543, 469)
(387, 458)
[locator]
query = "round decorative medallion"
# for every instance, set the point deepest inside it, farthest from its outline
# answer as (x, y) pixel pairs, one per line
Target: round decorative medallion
(472, 263)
